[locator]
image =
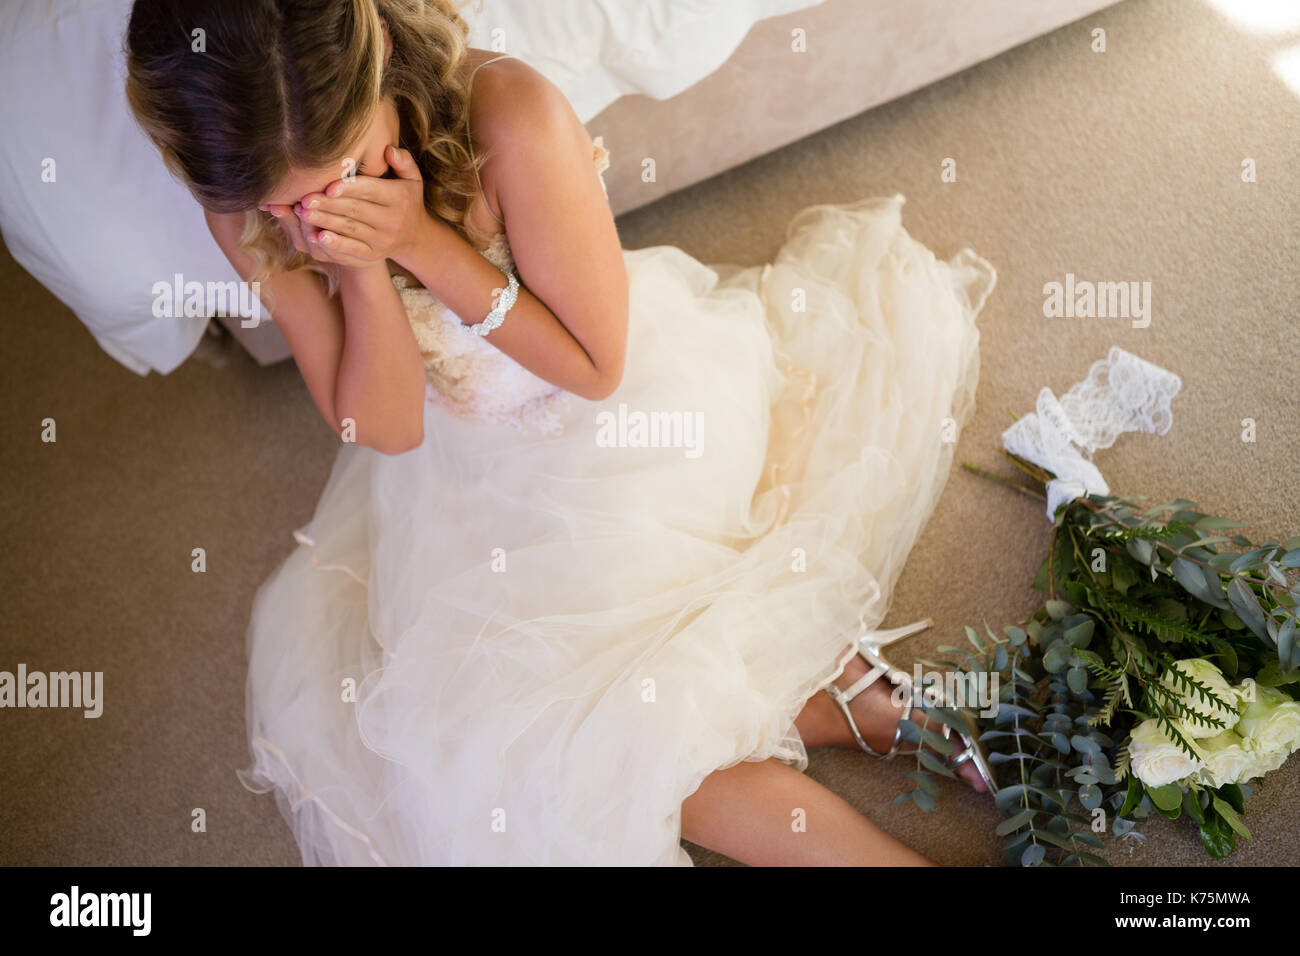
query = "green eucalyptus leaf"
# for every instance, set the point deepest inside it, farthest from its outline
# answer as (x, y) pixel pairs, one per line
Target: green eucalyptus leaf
(1141, 549)
(915, 734)
(1223, 561)
(1084, 745)
(1247, 608)
(1017, 841)
(1204, 586)
(1090, 796)
(1249, 560)
(1011, 796)
(1057, 657)
(1011, 824)
(997, 758)
(1217, 524)
(931, 762)
(1189, 576)
(1214, 586)
(1033, 855)
(1080, 634)
(924, 781)
(1047, 836)
(989, 735)
(1286, 640)
(1014, 710)
(1168, 797)
(950, 716)
(1077, 678)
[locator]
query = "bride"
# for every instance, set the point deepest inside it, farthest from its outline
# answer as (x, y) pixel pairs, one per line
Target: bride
(513, 632)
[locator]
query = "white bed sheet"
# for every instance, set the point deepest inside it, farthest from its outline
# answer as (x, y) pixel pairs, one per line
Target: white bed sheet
(112, 222)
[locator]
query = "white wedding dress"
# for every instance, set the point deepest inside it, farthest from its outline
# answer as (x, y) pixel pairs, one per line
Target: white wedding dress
(530, 639)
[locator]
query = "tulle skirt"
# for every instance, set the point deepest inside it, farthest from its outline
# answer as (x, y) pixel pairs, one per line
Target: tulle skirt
(507, 647)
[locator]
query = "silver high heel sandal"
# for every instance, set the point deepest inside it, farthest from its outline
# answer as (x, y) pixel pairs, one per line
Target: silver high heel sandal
(869, 645)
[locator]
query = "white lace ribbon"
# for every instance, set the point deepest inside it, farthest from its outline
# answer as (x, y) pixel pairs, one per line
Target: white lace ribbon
(1122, 393)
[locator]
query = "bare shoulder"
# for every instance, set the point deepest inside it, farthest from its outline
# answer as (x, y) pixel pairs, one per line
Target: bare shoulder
(514, 106)
(224, 225)
(226, 229)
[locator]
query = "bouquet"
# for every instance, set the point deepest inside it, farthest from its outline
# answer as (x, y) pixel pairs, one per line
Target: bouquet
(1158, 677)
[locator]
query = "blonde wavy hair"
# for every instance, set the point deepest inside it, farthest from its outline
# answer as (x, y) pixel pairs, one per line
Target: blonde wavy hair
(292, 84)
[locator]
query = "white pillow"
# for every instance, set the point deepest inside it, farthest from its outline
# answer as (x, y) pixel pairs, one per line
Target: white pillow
(113, 222)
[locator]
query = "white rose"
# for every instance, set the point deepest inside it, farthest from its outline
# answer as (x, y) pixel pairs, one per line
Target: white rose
(1226, 760)
(1155, 759)
(1263, 761)
(1271, 723)
(1203, 671)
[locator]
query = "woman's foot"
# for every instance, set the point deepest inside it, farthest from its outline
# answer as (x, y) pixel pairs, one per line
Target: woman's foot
(877, 716)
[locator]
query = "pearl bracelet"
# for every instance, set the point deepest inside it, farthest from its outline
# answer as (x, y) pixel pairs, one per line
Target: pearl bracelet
(498, 313)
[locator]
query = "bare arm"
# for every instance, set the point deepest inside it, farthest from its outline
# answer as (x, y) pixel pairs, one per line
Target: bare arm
(569, 323)
(356, 351)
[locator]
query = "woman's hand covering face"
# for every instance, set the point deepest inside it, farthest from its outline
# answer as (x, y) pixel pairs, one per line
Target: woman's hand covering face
(365, 219)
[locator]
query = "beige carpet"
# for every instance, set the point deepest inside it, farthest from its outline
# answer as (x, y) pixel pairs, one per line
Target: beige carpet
(1117, 166)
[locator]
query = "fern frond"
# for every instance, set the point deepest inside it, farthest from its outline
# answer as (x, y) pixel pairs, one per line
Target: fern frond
(1166, 629)
(1121, 763)
(1117, 691)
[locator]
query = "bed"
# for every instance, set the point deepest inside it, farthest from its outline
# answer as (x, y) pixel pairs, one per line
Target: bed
(699, 86)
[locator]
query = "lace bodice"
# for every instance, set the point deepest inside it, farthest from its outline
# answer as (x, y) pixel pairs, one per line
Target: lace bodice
(468, 375)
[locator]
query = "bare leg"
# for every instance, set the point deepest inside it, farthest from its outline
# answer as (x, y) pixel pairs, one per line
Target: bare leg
(751, 812)
(748, 811)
